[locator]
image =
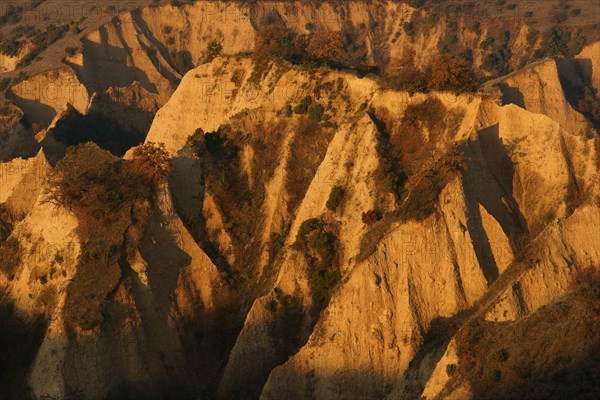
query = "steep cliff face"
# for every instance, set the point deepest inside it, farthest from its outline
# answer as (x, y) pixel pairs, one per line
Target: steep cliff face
(320, 235)
(143, 45)
(135, 317)
(526, 178)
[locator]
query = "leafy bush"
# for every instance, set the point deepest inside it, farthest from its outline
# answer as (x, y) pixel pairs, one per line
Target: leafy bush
(302, 107)
(12, 46)
(335, 197)
(433, 19)
(582, 281)
(213, 50)
(452, 73)
(497, 61)
(272, 42)
(402, 74)
(58, 258)
(93, 182)
(327, 48)
(316, 112)
(559, 42)
(487, 42)
(12, 15)
(153, 161)
(451, 369)
(370, 217)
(409, 29)
(319, 247)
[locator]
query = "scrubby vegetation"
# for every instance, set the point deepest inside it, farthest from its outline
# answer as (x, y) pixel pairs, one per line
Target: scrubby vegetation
(12, 15)
(560, 42)
(445, 73)
(40, 40)
(319, 246)
(308, 149)
(152, 161)
(106, 195)
(94, 183)
(274, 42)
(213, 51)
(226, 181)
(526, 359)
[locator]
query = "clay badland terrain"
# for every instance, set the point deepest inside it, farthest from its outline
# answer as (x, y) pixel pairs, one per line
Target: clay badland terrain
(298, 200)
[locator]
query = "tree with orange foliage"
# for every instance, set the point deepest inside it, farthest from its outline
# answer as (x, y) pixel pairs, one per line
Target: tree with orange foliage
(402, 74)
(328, 48)
(272, 42)
(452, 73)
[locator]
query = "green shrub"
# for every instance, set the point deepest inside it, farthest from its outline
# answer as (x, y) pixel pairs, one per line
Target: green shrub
(316, 112)
(302, 108)
(370, 217)
(451, 369)
(11, 47)
(319, 247)
(475, 27)
(213, 50)
(532, 36)
(559, 42)
(335, 197)
(433, 19)
(153, 161)
(12, 15)
(94, 183)
(58, 258)
(409, 29)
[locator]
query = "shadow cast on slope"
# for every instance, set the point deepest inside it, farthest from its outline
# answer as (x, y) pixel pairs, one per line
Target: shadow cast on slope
(20, 339)
(106, 65)
(489, 184)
